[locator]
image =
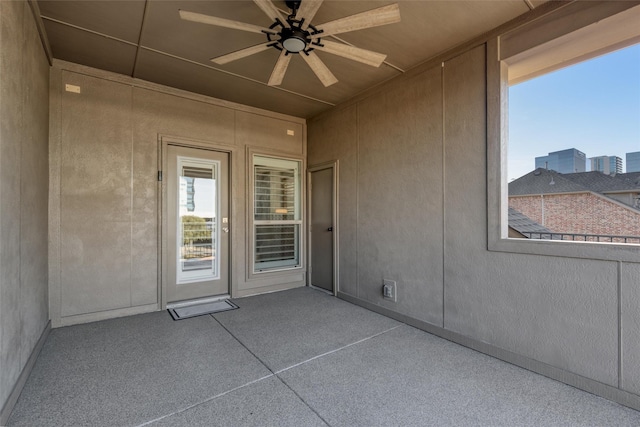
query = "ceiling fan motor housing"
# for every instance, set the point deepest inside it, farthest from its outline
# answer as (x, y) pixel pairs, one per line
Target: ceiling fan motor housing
(291, 37)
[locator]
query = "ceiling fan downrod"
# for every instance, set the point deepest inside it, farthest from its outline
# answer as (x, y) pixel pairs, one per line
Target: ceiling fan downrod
(294, 5)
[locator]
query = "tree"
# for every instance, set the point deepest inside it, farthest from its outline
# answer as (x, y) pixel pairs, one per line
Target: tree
(195, 230)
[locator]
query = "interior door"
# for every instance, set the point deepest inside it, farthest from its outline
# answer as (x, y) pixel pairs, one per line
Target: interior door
(322, 229)
(197, 186)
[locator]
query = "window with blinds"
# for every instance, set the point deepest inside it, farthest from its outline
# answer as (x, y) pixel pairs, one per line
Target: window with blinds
(276, 213)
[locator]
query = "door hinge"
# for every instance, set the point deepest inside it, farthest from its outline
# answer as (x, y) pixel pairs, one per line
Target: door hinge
(159, 175)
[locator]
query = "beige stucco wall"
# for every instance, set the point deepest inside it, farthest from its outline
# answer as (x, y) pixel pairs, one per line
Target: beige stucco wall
(105, 158)
(389, 218)
(24, 91)
(413, 208)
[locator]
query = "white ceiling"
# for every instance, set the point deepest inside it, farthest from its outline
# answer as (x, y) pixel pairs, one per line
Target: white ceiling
(149, 41)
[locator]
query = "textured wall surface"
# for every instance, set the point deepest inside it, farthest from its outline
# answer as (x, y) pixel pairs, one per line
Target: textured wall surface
(389, 220)
(418, 197)
(399, 200)
(95, 196)
(559, 311)
(24, 126)
(630, 325)
(105, 193)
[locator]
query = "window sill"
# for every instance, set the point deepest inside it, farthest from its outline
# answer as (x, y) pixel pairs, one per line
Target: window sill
(567, 249)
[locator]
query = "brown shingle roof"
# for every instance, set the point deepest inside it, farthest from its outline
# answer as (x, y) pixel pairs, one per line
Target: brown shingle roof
(545, 181)
(523, 224)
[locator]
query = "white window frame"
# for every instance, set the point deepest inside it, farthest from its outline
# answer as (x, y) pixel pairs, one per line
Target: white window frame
(283, 162)
(605, 22)
(199, 275)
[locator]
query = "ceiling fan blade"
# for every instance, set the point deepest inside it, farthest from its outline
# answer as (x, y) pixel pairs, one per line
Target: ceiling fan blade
(351, 52)
(320, 70)
(372, 18)
(280, 68)
(242, 53)
(307, 11)
(270, 10)
(221, 22)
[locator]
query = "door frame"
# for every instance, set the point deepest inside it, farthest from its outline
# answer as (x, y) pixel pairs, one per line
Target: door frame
(163, 142)
(333, 165)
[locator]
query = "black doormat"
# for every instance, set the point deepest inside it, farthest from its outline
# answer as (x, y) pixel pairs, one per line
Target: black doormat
(188, 311)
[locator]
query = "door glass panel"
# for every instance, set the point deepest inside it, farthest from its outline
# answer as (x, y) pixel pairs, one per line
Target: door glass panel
(198, 227)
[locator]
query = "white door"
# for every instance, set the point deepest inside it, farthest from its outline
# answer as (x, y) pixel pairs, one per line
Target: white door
(197, 227)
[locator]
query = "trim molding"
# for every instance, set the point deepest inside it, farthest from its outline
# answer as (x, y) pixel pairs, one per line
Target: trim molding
(108, 314)
(497, 139)
(586, 384)
(35, 11)
(164, 140)
(335, 215)
(143, 84)
(5, 413)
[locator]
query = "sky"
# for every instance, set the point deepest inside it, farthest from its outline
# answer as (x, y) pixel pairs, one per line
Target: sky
(593, 106)
(204, 198)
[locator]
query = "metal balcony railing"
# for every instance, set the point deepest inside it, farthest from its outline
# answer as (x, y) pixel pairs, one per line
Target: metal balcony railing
(583, 237)
(198, 239)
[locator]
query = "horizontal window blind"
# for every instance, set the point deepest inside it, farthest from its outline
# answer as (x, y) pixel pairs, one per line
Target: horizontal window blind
(276, 245)
(275, 193)
(196, 172)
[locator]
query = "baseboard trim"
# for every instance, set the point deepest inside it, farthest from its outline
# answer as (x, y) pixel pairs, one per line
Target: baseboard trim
(586, 384)
(24, 375)
(249, 292)
(105, 315)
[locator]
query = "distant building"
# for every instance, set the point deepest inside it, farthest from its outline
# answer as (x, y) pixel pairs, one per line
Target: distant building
(633, 162)
(587, 203)
(564, 161)
(608, 165)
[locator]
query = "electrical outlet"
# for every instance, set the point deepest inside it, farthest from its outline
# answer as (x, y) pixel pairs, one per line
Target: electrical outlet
(389, 290)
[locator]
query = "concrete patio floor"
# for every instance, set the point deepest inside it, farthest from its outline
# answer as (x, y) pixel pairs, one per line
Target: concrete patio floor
(293, 358)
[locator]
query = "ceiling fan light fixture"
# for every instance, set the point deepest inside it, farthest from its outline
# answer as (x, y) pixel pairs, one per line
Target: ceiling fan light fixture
(294, 40)
(294, 44)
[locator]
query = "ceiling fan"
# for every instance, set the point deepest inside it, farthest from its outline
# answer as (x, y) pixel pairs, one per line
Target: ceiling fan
(294, 34)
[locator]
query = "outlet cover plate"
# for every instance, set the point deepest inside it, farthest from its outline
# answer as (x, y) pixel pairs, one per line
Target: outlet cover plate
(389, 290)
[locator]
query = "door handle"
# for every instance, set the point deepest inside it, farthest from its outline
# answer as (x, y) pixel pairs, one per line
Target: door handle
(330, 229)
(225, 229)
